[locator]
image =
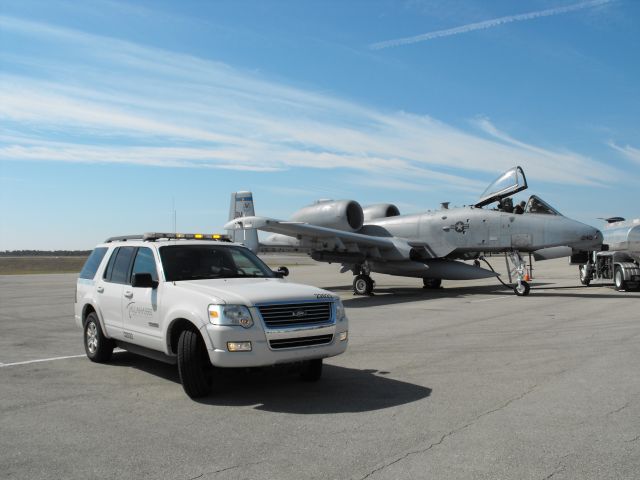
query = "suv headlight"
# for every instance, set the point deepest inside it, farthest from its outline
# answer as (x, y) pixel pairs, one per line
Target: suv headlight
(340, 313)
(230, 315)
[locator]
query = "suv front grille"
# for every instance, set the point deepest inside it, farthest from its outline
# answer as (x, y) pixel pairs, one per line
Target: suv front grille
(296, 314)
(300, 341)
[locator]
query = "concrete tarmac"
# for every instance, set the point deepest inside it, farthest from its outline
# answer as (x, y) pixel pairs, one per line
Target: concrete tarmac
(465, 382)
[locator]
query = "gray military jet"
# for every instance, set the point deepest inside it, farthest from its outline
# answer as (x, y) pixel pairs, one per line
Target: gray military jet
(427, 245)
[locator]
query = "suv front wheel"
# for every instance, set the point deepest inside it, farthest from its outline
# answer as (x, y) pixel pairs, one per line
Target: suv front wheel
(98, 347)
(194, 366)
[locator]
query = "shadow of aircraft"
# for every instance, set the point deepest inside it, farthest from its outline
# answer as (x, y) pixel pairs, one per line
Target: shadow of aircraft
(396, 295)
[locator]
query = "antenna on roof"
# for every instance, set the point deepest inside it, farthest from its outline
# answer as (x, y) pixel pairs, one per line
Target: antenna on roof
(173, 205)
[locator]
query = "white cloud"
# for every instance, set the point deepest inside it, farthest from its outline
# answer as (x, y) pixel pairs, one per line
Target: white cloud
(114, 101)
(494, 22)
(628, 151)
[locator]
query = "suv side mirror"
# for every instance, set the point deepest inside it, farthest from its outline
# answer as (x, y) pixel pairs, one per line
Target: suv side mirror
(282, 272)
(143, 280)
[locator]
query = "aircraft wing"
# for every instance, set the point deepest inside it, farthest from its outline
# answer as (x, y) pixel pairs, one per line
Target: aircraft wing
(324, 238)
(295, 229)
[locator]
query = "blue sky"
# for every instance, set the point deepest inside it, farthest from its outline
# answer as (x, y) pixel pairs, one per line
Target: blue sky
(112, 112)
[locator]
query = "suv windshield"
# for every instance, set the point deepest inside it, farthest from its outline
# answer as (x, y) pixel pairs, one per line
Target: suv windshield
(197, 262)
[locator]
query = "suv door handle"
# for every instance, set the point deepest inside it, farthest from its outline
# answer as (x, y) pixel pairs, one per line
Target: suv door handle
(128, 294)
(100, 289)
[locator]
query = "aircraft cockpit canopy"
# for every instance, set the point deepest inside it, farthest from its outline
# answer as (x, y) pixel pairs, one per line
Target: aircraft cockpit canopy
(537, 205)
(506, 185)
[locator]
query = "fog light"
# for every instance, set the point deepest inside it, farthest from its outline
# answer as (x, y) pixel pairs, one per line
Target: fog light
(344, 336)
(239, 346)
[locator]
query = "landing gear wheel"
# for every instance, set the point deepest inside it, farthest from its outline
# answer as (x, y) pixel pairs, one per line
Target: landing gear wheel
(194, 366)
(311, 370)
(618, 278)
(362, 285)
(584, 279)
(522, 289)
(432, 282)
(98, 347)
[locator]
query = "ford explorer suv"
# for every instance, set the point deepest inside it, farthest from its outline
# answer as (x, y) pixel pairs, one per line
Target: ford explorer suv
(203, 303)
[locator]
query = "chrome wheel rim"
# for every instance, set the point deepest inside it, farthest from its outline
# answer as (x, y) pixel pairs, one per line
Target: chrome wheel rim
(361, 286)
(92, 338)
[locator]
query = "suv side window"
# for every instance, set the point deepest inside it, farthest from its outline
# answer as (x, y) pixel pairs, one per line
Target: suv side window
(109, 269)
(93, 262)
(145, 262)
(119, 263)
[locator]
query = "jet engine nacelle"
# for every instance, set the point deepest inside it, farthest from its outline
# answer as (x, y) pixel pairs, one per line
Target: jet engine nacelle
(380, 210)
(344, 215)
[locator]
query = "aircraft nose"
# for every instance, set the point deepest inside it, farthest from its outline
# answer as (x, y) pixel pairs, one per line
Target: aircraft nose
(590, 238)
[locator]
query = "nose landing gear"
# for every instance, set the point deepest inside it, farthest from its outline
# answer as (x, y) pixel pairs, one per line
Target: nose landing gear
(521, 287)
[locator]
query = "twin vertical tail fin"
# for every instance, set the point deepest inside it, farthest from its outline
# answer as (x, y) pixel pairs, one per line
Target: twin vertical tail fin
(242, 206)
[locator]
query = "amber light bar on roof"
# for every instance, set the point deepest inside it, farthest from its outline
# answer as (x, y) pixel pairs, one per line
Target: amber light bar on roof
(186, 236)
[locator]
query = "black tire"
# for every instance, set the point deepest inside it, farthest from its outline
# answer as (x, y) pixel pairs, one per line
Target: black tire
(432, 282)
(194, 366)
(362, 285)
(522, 289)
(618, 279)
(98, 347)
(584, 279)
(311, 370)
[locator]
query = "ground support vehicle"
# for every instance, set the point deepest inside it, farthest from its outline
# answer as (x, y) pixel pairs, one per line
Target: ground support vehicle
(204, 304)
(619, 267)
(620, 258)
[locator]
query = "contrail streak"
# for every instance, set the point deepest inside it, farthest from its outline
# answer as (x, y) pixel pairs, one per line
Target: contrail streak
(487, 24)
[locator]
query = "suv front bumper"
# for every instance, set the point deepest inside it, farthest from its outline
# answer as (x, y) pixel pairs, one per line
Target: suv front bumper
(262, 354)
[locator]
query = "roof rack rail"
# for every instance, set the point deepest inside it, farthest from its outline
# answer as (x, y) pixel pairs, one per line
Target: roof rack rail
(123, 238)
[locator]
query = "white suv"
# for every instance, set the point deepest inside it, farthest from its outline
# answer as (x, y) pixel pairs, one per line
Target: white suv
(202, 302)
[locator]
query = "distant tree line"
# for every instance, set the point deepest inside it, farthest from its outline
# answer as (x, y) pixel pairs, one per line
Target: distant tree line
(45, 253)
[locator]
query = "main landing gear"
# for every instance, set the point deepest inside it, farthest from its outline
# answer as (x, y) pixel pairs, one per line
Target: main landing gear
(363, 285)
(431, 283)
(362, 282)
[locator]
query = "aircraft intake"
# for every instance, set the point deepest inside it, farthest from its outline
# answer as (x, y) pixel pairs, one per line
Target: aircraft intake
(380, 210)
(343, 215)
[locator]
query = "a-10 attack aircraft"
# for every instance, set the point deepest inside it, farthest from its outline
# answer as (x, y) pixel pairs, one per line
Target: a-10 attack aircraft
(427, 245)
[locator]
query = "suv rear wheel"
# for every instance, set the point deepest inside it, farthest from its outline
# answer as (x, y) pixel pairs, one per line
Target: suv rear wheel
(194, 366)
(98, 347)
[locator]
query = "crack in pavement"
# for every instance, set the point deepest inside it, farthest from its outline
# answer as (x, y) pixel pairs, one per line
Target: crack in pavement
(619, 409)
(222, 470)
(634, 439)
(561, 467)
(452, 432)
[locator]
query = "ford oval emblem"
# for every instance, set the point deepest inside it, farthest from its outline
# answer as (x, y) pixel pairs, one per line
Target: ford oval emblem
(299, 313)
